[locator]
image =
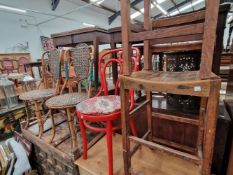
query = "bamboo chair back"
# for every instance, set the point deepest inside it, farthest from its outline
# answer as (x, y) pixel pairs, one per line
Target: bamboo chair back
(79, 61)
(51, 69)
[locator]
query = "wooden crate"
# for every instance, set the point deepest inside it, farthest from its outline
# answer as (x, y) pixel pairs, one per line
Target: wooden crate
(58, 157)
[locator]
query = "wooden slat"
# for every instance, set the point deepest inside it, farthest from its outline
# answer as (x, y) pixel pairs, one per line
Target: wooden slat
(168, 32)
(137, 145)
(175, 145)
(175, 118)
(178, 20)
(167, 150)
(138, 107)
(176, 39)
(177, 47)
(211, 19)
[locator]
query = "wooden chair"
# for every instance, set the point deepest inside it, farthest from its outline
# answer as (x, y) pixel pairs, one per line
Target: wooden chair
(80, 61)
(186, 32)
(51, 69)
(105, 108)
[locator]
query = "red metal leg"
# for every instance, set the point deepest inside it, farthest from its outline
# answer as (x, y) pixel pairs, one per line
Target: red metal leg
(84, 137)
(109, 145)
(132, 126)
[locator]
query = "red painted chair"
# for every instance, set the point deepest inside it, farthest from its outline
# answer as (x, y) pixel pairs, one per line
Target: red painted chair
(106, 108)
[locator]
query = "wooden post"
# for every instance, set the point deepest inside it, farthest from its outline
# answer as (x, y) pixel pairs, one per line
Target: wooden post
(147, 26)
(210, 126)
(125, 35)
(219, 39)
(96, 62)
(211, 19)
(125, 126)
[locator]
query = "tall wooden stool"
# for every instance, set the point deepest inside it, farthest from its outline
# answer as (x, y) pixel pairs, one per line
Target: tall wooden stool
(172, 34)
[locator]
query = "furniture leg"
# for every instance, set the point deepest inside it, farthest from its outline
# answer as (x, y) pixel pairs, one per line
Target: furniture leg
(210, 125)
(109, 145)
(72, 129)
(53, 126)
(27, 114)
(125, 127)
(84, 137)
(149, 114)
(230, 163)
(132, 126)
(39, 118)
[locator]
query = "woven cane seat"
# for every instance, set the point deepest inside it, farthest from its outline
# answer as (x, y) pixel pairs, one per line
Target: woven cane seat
(66, 100)
(37, 94)
(101, 105)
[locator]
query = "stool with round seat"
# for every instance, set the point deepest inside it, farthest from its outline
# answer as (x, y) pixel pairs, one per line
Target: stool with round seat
(107, 108)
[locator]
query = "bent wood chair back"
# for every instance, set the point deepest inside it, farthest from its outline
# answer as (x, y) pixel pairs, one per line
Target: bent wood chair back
(119, 61)
(51, 69)
(78, 64)
(186, 32)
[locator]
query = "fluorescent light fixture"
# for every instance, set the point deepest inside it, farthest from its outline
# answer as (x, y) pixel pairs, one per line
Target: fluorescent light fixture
(89, 25)
(161, 9)
(136, 14)
(12, 9)
(186, 7)
(160, 1)
(229, 18)
(98, 1)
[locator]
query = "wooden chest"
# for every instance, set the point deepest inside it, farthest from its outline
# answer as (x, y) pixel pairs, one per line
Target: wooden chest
(58, 157)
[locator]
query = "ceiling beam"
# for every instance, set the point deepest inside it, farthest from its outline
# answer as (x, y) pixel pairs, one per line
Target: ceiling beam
(115, 15)
(100, 6)
(174, 3)
(173, 8)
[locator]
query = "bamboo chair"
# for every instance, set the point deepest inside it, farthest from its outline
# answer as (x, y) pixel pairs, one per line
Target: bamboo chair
(51, 69)
(172, 34)
(80, 61)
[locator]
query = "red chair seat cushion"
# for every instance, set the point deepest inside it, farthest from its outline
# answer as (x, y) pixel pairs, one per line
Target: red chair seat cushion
(101, 105)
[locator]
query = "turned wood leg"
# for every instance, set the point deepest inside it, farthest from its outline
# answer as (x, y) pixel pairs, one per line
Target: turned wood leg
(39, 119)
(72, 128)
(53, 126)
(27, 115)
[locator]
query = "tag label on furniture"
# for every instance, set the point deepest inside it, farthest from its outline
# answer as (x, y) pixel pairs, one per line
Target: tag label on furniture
(197, 88)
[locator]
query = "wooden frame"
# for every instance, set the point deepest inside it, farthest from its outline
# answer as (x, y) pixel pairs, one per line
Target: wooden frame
(202, 83)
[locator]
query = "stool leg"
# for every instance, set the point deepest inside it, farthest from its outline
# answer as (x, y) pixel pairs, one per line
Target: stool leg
(84, 137)
(53, 126)
(71, 126)
(109, 145)
(27, 114)
(39, 119)
(132, 126)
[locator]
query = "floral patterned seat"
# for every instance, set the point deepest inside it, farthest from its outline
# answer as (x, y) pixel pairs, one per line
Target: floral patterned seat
(101, 105)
